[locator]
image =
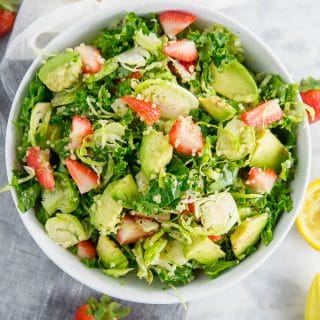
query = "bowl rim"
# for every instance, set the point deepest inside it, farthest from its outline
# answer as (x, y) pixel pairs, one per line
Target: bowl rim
(170, 296)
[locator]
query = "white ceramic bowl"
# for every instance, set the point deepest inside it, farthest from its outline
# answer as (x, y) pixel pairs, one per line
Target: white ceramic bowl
(259, 58)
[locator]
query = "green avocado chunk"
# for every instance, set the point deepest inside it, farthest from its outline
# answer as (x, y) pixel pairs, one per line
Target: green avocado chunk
(269, 152)
(218, 109)
(124, 189)
(203, 250)
(54, 132)
(61, 71)
(110, 255)
(234, 82)
(64, 198)
(66, 230)
(155, 153)
(247, 234)
(105, 213)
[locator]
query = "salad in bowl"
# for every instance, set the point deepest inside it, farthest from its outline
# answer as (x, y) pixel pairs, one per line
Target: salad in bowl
(153, 149)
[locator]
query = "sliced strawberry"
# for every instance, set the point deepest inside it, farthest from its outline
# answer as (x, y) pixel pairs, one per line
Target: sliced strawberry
(91, 58)
(183, 70)
(80, 128)
(186, 136)
(173, 22)
(147, 111)
(84, 177)
(34, 157)
(86, 250)
(130, 231)
(263, 115)
(215, 237)
(189, 66)
(191, 207)
(39, 160)
(135, 75)
(82, 313)
(261, 181)
(312, 98)
(182, 50)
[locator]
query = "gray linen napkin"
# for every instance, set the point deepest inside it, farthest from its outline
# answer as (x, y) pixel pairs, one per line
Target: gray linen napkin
(31, 286)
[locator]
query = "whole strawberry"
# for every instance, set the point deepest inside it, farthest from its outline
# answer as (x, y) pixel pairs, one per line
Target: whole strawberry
(82, 313)
(8, 12)
(105, 309)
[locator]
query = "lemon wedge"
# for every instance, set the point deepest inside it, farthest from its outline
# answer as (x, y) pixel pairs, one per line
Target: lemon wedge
(308, 221)
(312, 310)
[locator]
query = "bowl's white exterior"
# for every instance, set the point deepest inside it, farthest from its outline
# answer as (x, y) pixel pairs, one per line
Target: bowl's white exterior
(259, 58)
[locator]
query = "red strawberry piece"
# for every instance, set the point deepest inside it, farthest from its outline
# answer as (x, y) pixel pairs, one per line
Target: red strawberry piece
(261, 181)
(147, 111)
(181, 69)
(191, 207)
(215, 237)
(91, 58)
(86, 250)
(80, 128)
(135, 75)
(173, 22)
(263, 115)
(189, 66)
(182, 50)
(85, 178)
(82, 313)
(35, 156)
(312, 98)
(186, 136)
(130, 232)
(7, 19)
(38, 160)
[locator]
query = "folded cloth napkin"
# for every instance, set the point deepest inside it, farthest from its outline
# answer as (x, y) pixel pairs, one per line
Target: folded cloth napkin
(31, 286)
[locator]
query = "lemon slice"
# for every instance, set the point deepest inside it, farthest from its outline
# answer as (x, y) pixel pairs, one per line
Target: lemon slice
(312, 310)
(308, 221)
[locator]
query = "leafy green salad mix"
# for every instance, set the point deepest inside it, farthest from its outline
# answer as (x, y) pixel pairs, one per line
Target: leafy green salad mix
(153, 149)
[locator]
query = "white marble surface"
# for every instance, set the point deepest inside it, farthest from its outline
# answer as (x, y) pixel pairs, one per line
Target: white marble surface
(278, 289)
